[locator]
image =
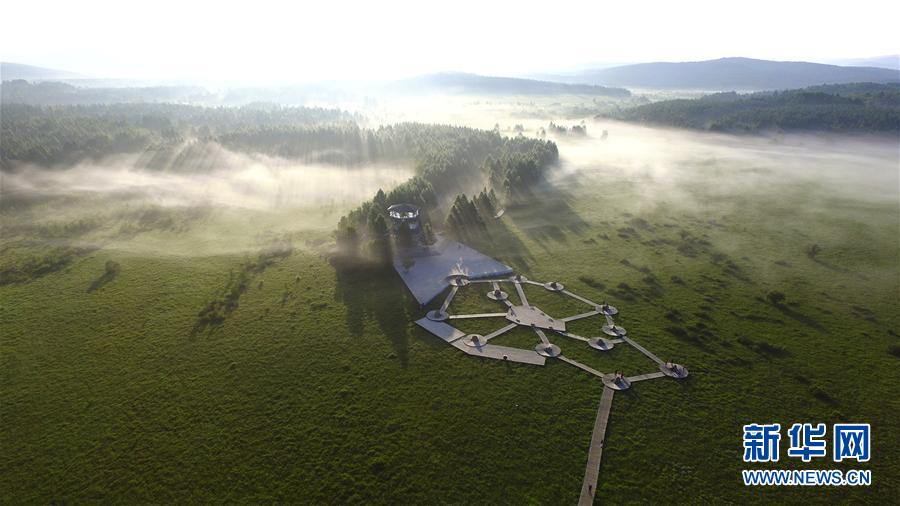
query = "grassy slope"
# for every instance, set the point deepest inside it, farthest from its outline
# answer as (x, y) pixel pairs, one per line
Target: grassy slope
(319, 388)
(824, 356)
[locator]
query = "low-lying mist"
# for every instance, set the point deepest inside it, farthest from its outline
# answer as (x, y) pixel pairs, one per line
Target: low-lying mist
(779, 192)
(196, 202)
(675, 166)
(659, 169)
(229, 179)
(858, 166)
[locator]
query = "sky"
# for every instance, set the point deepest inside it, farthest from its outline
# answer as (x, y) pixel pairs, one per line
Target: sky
(304, 41)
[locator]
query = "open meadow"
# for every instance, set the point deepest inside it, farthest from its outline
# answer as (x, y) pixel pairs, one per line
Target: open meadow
(160, 344)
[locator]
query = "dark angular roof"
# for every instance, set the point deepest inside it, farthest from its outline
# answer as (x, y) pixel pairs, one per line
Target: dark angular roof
(403, 211)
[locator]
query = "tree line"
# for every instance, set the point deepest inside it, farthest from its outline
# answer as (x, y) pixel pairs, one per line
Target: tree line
(56, 135)
(57, 93)
(449, 159)
(858, 107)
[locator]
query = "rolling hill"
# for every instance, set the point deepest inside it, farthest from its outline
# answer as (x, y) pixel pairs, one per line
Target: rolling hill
(12, 71)
(40, 92)
(889, 61)
(732, 74)
(457, 82)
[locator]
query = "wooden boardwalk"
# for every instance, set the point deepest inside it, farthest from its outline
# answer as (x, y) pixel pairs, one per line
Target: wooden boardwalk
(648, 376)
(643, 350)
(521, 292)
(543, 336)
(455, 337)
(592, 470)
(526, 316)
(500, 331)
(573, 336)
(581, 366)
(449, 299)
(582, 299)
(479, 315)
(504, 353)
(579, 316)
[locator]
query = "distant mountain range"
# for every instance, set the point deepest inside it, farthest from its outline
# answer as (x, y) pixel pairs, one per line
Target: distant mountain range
(462, 83)
(44, 91)
(13, 71)
(890, 61)
(730, 74)
(724, 74)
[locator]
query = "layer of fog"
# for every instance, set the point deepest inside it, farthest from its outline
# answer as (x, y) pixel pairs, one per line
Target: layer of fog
(782, 192)
(250, 181)
(663, 168)
(866, 168)
(665, 161)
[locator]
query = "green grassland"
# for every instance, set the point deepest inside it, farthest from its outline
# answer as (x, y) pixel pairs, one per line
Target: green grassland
(313, 385)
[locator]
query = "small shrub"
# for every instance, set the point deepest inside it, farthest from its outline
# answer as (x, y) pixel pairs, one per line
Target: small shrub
(894, 350)
(776, 298)
(813, 250)
(823, 396)
(591, 282)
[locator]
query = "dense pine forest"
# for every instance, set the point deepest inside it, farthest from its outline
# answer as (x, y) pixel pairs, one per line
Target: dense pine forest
(20, 91)
(54, 135)
(859, 107)
(450, 159)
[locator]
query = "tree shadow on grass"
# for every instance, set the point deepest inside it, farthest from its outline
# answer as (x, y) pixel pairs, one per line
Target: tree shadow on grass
(837, 268)
(547, 214)
(753, 317)
(43, 264)
(800, 317)
(376, 293)
(109, 274)
(697, 335)
(502, 243)
(226, 301)
(764, 348)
